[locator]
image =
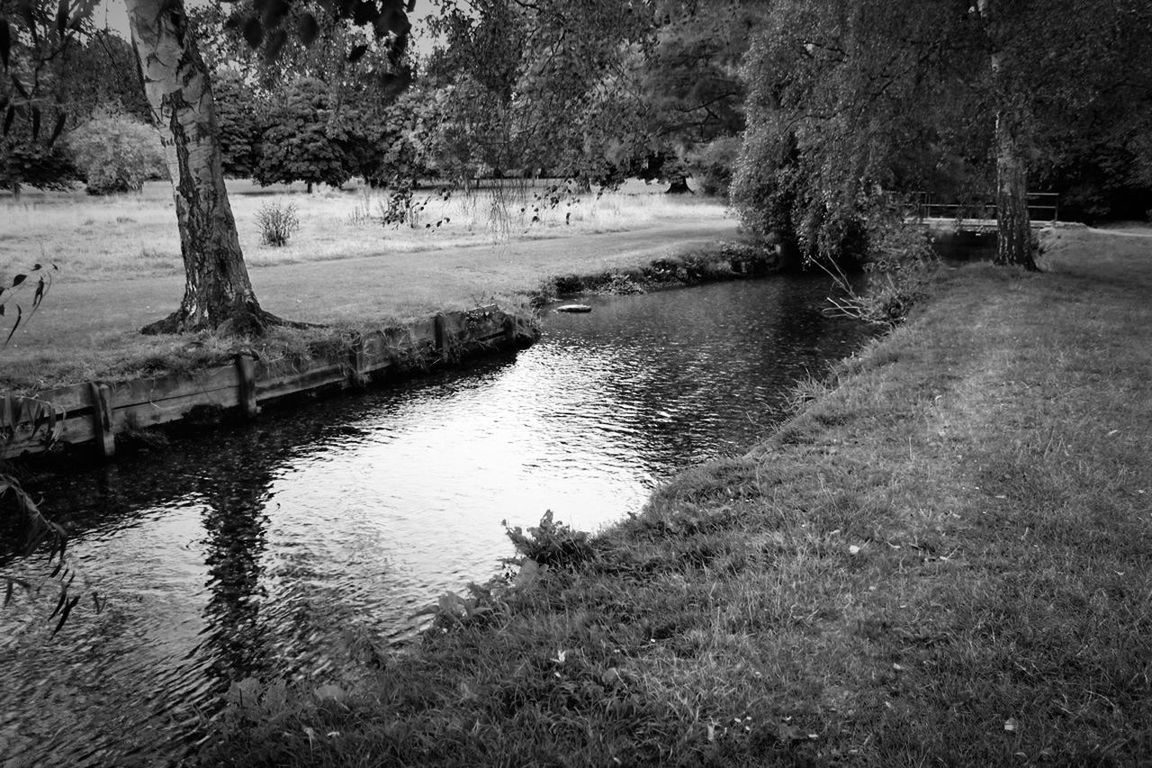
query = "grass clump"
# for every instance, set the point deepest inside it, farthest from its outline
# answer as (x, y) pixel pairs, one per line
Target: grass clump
(277, 223)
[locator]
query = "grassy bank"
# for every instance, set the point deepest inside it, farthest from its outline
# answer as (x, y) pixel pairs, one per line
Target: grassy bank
(120, 266)
(943, 558)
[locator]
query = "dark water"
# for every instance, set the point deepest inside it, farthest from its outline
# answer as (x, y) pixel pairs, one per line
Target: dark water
(962, 247)
(289, 546)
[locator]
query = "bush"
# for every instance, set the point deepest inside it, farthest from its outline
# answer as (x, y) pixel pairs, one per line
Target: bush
(277, 223)
(711, 165)
(116, 153)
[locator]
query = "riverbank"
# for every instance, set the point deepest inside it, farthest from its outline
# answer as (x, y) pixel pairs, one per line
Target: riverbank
(941, 558)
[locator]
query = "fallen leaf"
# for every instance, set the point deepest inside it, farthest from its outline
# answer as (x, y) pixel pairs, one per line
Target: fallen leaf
(1010, 724)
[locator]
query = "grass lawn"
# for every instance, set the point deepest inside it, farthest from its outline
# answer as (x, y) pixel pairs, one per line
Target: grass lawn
(120, 268)
(942, 559)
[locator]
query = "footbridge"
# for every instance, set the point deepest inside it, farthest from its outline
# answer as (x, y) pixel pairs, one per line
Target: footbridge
(978, 216)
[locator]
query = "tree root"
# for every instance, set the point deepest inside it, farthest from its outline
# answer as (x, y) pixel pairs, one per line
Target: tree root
(246, 322)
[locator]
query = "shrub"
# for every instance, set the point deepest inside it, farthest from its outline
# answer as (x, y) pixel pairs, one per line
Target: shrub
(277, 223)
(711, 165)
(116, 153)
(551, 543)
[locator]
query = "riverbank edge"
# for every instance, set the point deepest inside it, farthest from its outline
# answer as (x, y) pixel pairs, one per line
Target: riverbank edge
(941, 557)
(723, 261)
(333, 348)
(105, 415)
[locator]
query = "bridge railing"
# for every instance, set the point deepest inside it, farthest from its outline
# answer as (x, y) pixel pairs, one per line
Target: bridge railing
(1042, 206)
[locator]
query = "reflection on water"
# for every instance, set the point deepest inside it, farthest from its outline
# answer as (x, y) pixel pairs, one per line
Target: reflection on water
(279, 547)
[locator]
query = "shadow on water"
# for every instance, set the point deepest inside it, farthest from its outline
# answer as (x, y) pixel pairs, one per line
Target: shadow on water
(964, 247)
(280, 548)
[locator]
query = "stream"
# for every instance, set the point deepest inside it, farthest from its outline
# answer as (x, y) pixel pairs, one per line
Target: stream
(282, 547)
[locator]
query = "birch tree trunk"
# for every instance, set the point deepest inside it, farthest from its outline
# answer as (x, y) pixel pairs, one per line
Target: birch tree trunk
(217, 292)
(1013, 226)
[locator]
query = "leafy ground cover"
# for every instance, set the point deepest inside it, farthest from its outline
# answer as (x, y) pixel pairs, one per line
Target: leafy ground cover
(119, 265)
(941, 559)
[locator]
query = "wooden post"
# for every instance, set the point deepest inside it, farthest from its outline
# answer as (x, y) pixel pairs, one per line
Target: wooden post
(438, 331)
(357, 376)
(246, 386)
(510, 330)
(102, 419)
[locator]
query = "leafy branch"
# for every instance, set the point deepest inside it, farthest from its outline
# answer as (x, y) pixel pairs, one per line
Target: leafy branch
(39, 276)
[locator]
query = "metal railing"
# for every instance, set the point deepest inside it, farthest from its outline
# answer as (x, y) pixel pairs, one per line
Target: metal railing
(1042, 206)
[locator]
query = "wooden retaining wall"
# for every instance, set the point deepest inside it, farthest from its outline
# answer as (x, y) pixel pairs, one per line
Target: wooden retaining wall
(94, 412)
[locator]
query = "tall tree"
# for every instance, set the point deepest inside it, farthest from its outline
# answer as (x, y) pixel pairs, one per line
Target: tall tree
(217, 291)
(1012, 122)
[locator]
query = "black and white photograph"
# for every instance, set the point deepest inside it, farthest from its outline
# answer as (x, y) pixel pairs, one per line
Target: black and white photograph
(515, 383)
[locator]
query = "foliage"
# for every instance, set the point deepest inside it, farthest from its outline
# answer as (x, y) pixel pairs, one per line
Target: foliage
(900, 264)
(116, 153)
(712, 164)
(101, 76)
(828, 112)
(277, 223)
(551, 543)
(238, 116)
(524, 89)
(304, 139)
(41, 277)
(35, 56)
(24, 162)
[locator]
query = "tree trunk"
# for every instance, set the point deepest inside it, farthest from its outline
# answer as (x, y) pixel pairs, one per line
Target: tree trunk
(1013, 227)
(678, 186)
(217, 292)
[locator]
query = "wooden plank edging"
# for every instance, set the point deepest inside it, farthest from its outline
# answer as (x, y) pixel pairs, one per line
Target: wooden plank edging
(96, 411)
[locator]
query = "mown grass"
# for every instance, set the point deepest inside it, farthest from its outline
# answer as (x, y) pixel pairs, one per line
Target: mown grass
(942, 559)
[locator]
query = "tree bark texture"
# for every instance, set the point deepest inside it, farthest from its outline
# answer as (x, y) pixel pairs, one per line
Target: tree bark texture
(217, 292)
(1013, 226)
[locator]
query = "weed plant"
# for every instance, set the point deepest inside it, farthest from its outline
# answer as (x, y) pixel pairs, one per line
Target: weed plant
(278, 222)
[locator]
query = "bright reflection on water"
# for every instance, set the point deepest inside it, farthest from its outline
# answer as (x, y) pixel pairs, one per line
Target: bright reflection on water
(287, 546)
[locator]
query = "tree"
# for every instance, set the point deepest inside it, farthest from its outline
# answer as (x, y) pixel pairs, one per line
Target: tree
(544, 85)
(691, 89)
(35, 57)
(116, 153)
(238, 108)
(850, 100)
(305, 138)
(217, 291)
(828, 117)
